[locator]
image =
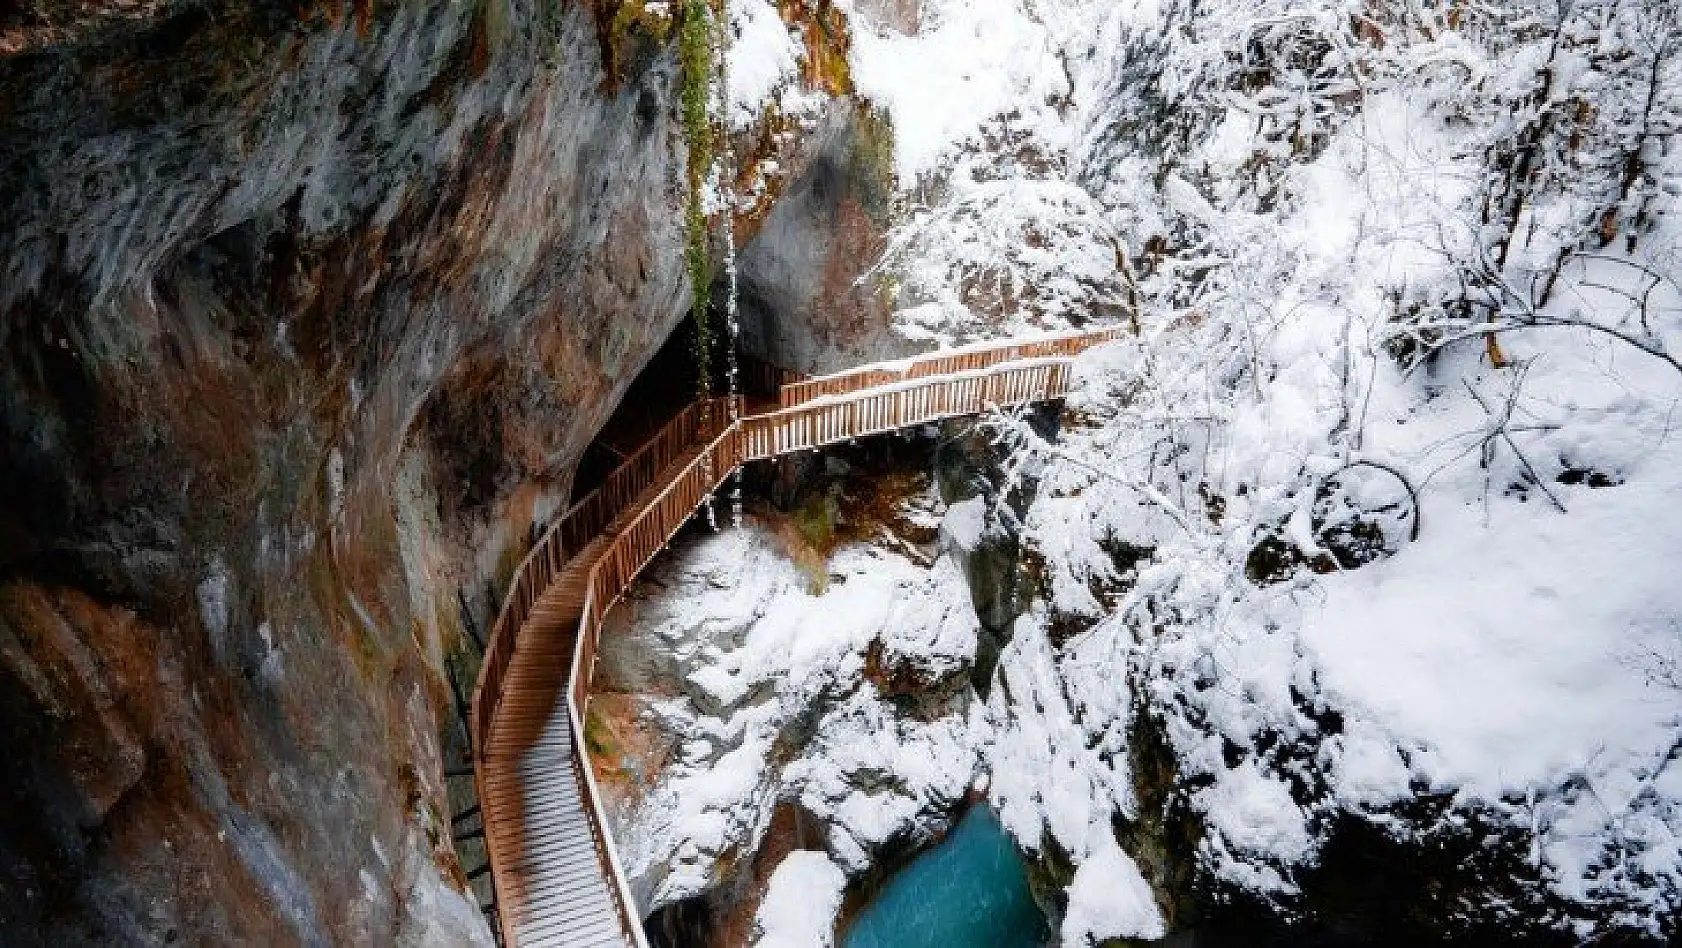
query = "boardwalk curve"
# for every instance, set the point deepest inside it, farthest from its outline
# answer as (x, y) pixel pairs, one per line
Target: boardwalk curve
(557, 877)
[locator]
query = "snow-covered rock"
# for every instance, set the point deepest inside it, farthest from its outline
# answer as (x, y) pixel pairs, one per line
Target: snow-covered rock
(1335, 561)
(800, 903)
(780, 701)
(1108, 899)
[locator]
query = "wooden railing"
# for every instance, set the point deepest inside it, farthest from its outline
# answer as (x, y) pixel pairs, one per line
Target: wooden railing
(950, 362)
(571, 533)
(698, 423)
(565, 538)
(898, 406)
(856, 404)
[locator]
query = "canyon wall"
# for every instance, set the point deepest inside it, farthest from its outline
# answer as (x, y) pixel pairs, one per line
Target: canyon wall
(307, 314)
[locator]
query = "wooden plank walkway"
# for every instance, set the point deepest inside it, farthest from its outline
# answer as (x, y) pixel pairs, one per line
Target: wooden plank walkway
(557, 876)
(549, 882)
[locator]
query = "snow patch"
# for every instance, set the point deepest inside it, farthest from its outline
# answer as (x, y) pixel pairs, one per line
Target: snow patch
(1109, 898)
(970, 61)
(800, 902)
(764, 58)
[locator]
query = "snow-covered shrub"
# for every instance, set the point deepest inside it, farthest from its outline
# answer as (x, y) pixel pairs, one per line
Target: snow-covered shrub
(1357, 561)
(1366, 611)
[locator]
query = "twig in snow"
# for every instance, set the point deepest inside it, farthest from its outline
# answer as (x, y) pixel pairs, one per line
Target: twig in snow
(1018, 435)
(1407, 485)
(1500, 429)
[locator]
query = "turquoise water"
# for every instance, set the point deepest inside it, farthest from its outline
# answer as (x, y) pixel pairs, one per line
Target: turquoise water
(970, 891)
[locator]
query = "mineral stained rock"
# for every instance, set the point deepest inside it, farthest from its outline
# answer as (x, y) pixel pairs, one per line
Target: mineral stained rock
(306, 315)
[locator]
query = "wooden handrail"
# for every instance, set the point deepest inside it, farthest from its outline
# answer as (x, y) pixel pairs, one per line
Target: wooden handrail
(570, 533)
(607, 854)
(945, 362)
(870, 400)
(829, 421)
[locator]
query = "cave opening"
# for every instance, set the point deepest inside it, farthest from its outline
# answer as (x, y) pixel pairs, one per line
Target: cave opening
(667, 385)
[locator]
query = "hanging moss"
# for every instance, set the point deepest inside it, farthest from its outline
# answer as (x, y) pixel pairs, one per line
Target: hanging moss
(700, 275)
(696, 56)
(870, 163)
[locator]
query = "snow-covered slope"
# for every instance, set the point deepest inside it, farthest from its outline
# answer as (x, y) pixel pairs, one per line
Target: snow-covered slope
(1391, 560)
(767, 667)
(1370, 534)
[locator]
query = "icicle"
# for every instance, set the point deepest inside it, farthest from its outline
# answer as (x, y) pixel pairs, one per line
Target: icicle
(721, 198)
(725, 157)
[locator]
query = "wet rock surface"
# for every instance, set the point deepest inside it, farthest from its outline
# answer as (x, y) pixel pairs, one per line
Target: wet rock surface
(983, 533)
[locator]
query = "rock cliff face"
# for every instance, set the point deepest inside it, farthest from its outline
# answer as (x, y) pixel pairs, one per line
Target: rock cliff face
(811, 299)
(307, 315)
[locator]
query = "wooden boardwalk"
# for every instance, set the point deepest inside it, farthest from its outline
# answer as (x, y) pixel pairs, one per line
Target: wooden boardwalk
(557, 877)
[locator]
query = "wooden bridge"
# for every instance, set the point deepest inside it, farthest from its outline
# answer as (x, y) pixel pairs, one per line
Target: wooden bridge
(557, 877)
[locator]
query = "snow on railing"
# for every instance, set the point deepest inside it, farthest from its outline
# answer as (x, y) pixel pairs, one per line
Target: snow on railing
(945, 362)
